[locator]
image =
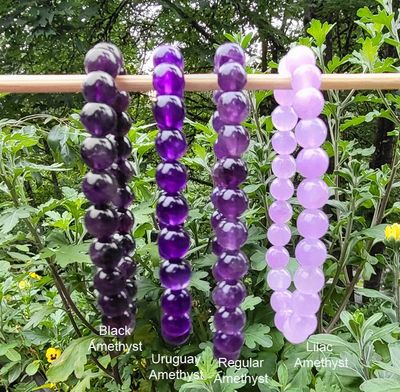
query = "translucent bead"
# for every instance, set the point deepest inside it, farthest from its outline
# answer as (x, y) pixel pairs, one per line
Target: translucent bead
(172, 210)
(99, 188)
(228, 52)
(277, 257)
(281, 189)
(280, 211)
(175, 275)
(176, 302)
(171, 144)
(101, 223)
(168, 80)
(231, 76)
(312, 193)
(309, 280)
(169, 112)
(284, 97)
(171, 176)
(279, 279)
(176, 325)
(99, 87)
(229, 172)
(97, 153)
(298, 56)
(284, 118)
(284, 142)
(311, 133)
(307, 75)
(168, 54)
(284, 166)
(101, 59)
(229, 294)
(312, 224)
(308, 103)
(98, 118)
(305, 304)
(231, 235)
(281, 301)
(228, 343)
(231, 203)
(280, 319)
(229, 320)
(233, 107)
(115, 305)
(173, 244)
(279, 235)
(231, 266)
(298, 328)
(235, 140)
(311, 252)
(312, 162)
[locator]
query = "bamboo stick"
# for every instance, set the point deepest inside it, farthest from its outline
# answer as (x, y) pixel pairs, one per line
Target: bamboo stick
(194, 82)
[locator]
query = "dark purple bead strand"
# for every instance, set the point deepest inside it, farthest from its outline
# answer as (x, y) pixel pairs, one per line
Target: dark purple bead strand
(108, 219)
(229, 200)
(172, 208)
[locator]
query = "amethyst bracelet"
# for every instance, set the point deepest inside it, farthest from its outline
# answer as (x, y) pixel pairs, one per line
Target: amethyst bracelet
(172, 209)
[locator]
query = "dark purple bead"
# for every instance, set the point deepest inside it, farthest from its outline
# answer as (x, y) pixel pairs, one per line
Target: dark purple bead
(220, 150)
(175, 275)
(171, 144)
(176, 303)
(100, 59)
(105, 255)
(115, 305)
(228, 52)
(123, 124)
(227, 356)
(121, 102)
(229, 294)
(231, 203)
(122, 171)
(234, 139)
(123, 197)
(216, 248)
(216, 217)
(233, 107)
(232, 76)
(229, 172)
(214, 195)
(99, 87)
(126, 242)
(98, 118)
(229, 321)
(169, 112)
(231, 235)
(175, 340)
(226, 344)
(133, 307)
(127, 267)
(108, 282)
(171, 176)
(123, 146)
(172, 210)
(168, 80)
(97, 153)
(120, 324)
(216, 122)
(176, 326)
(232, 266)
(173, 244)
(130, 288)
(216, 95)
(112, 48)
(168, 54)
(99, 188)
(126, 221)
(216, 275)
(101, 223)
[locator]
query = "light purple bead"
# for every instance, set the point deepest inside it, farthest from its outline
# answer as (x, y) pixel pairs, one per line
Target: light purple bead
(311, 252)
(284, 142)
(284, 97)
(281, 301)
(309, 280)
(284, 166)
(308, 103)
(231, 235)
(169, 112)
(233, 107)
(229, 320)
(229, 294)
(312, 162)
(311, 133)
(231, 203)
(298, 56)
(228, 52)
(307, 75)
(167, 54)
(279, 235)
(312, 224)
(281, 318)
(298, 328)
(281, 189)
(284, 118)
(278, 279)
(234, 139)
(312, 193)
(168, 80)
(231, 76)
(280, 211)
(305, 304)
(282, 66)
(277, 257)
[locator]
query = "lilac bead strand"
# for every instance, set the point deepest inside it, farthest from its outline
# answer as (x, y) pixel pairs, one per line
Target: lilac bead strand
(172, 209)
(107, 219)
(230, 201)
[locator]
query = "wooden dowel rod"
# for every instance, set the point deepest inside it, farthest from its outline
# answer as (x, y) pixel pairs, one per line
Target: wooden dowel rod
(195, 82)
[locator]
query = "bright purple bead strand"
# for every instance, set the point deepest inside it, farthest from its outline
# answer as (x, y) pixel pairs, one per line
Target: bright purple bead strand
(172, 209)
(229, 200)
(312, 163)
(105, 152)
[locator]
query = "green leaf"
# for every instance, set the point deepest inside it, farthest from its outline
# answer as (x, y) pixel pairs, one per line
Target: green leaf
(32, 368)
(258, 260)
(13, 355)
(380, 385)
(335, 341)
(197, 282)
(370, 293)
(257, 334)
(319, 31)
(283, 374)
(71, 253)
(208, 365)
(250, 302)
(11, 216)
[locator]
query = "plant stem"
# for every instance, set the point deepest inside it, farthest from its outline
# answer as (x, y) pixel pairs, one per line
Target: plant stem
(396, 277)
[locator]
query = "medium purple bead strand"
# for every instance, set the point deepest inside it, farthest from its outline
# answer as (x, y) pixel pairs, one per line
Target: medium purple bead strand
(109, 219)
(172, 209)
(230, 201)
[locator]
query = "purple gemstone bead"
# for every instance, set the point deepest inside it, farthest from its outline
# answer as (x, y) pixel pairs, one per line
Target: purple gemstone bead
(121, 103)
(99, 87)
(231, 235)
(99, 188)
(284, 118)
(122, 145)
(172, 210)
(171, 176)
(175, 275)
(280, 211)
(214, 196)
(175, 340)
(234, 139)
(122, 171)
(279, 235)
(216, 122)
(113, 49)
(312, 224)
(105, 255)
(226, 356)
(308, 103)
(233, 107)
(281, 189)
(168, 80)
(108, 282)
(169, 112)
(313, 193)
(115, 305)
(311, 252)
(173, 244)
(228, 343)
(123, 197)
(284, 142)
(176, 326)
(231, 76)
(284, 166)
(97, 153)
(220, 151)
(120, 324)
(232, 266)
(100, 59)
(229, 52)
(306, 75)
(309, 280)
(216, 248)
(130, 287)
(98, 118)
(171, 144)
(277, 257)
(229, 172)
(279, 279)
(281, 318)
(126, 221)
(281, 301)
(298, 328)
(101, 223)
(305, 304)
(229, 321)
(127, 267)
(231, 203)
(312, 162)
(311, 133)
(216, 217)
(168, 54)
(176, 303)
(229, 294)
(126, 242)
(124, 124)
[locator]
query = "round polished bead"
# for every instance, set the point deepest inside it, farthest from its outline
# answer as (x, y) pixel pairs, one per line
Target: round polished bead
(284, 118)
(101, 59)
(108, 282)
(298, 56)
(168, 80)
(216, 248)
(216, 122)
(127, 267)
(172, 210)
(175, 340)
(171, 176)
(122, 145)
(232, 266)
(280, 211)
(312, 224)
(231, 203)
(298, 328)
(121, 324)
(126, 221)
(97, 153)
(281, 301)
(307, 75)
(309, 280)
(214, 195)
(311, 252)
(215, 96)
(228, 343)
(284, 166)
(279, 235)
(123, 197)
(126, 242)
(284, 142)
(312, 162)
(231, 235)
(122, 171)
(176, 302)
(216, 217)
(284, 97)
(123, 125)
(220, 150)
(98, 118)
(130, 287)
(176, 326)
(105, 255)
(173, 244)
(280, 319)
(229, 52)
(229, 172)
(175, 275)
(229, 294)
(279, 279)
(115, 305)
(171, 144)
(231, 76)
(233, 107)
(101, 223)
(312, 193)
(113, 49)
(99, 188)
(308, 103)
(305, 304)
(234, 139)
(169, 112)
(121, 103)
(281, 189)
(226, 356)
(277, 257)
(99, 87)
(311, 133)
(168, 54)
(229, 321)
(282, 66)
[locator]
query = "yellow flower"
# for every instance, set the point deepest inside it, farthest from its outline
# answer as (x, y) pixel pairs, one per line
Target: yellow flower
(52, 354)
(392, 232)
(34, 275)
(51, 385)
(23, 284)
